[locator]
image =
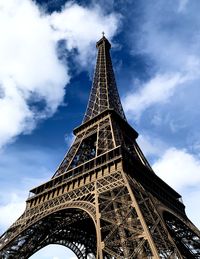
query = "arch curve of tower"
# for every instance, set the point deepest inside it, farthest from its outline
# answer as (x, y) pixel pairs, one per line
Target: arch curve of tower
(69, 232)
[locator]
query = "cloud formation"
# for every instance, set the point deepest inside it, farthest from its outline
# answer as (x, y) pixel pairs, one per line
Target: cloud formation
(151, 145)
(181, 170)
(32, 77)
(30, 71)
(82, 27)
(158, 90)
(169, 37)
(177, 173)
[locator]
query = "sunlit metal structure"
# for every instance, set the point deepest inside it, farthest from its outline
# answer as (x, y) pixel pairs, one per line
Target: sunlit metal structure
(104, 200)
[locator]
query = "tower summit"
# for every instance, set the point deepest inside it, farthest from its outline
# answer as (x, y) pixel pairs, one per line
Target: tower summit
(104, 201)
(104, 94)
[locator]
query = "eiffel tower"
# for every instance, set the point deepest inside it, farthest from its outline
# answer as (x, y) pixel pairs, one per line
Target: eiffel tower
(104, 200)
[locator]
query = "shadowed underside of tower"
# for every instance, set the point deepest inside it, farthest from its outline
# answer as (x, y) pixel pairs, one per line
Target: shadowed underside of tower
(104, 200)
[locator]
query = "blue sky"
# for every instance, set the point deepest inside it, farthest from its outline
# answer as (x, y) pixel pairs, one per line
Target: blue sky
(47, 57)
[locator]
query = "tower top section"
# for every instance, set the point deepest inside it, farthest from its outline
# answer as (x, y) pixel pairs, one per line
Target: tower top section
(104, 94)
(103, 40)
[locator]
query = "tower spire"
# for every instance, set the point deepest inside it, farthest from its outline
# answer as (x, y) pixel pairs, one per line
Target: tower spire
(104, 94)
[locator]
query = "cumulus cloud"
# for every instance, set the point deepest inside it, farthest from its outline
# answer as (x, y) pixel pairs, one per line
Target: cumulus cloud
(181, 170)
(157, 90)
(151, 145)
(32, 75)
(168, 35)
(82, 27)
(29, 68)
(178, 168)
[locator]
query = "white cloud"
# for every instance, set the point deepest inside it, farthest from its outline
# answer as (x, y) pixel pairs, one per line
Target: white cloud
(82, 27)
(29, 68)
(158, 90)
(178, 168)
(168, 36)
(10, 211)
(32, 78)
(181, 170)
(151, 145)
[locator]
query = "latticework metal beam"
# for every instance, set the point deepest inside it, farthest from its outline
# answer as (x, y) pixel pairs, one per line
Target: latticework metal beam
(104, 200)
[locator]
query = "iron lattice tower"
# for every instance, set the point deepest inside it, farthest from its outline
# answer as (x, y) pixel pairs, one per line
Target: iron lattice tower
(104, 200)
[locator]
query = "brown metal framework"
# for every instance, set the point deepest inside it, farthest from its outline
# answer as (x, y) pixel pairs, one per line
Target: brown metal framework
(104, 200)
